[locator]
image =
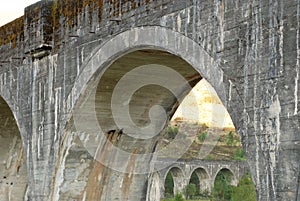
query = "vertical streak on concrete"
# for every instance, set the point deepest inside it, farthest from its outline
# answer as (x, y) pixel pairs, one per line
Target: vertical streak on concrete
(198, 15)
(297, 86)
(272, 73)
(220, 14)
(280, 33)
(56, 111)
(257, 32)
(276, 52)
(32, 141)
(82, 54)
(64, 95)
(179, 23)
(255, 49)
(245, 100)
(50, 148)
(77, 60)
(298, 59)
(230, 91)
(187, 24)
(84, 196)
(59, 175)
(281, 69)
(245, 91)
(195, 14)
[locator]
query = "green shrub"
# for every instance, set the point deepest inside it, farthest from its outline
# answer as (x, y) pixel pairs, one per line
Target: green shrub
(245, 190)
(202, 136)
(204, 194)
(179, 197)
(172, 132)
(190, 190)
(195, 180)
(230, 139)
(169, 186)
(222, 188)
(239, 154)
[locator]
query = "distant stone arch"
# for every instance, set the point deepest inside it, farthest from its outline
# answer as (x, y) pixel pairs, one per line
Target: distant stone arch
(178, 179)
(228, 172)
(154, 188)
(204, 180)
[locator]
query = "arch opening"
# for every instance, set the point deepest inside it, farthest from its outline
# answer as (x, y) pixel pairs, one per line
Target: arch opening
(13, 178)
(201, 180)
(120, 152)
(223, 184)
(174, 182)
(132, 100)
(120, 139)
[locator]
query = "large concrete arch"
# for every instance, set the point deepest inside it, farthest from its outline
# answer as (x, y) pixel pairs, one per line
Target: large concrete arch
(152, 37)
(258, 46)
(137, 41)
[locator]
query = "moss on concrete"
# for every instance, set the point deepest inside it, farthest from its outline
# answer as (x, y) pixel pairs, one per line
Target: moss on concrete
(12, 32)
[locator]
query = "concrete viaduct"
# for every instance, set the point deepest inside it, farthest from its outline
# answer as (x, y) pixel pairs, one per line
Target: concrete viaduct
(182, 170)
(65, 66)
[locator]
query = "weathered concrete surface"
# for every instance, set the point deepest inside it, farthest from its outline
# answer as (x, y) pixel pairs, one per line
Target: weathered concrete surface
(249, 52)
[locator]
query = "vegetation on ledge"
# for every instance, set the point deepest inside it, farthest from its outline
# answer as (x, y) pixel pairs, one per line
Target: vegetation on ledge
(225, 143)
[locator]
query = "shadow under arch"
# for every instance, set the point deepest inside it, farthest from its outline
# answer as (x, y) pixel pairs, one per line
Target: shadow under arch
(13, 178)
(136, 47)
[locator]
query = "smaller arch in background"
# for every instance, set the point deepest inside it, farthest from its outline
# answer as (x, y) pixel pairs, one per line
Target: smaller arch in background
(223, 182)
(178, 179)
(229, 175)
(201, 179)
(154, 190)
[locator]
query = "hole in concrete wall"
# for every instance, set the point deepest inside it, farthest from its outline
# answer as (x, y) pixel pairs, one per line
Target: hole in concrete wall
(14, 180)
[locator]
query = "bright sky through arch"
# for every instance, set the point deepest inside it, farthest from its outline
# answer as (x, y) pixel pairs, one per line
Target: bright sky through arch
(12, 9)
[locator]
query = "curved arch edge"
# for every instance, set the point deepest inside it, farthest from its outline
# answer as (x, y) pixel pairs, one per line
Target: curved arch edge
(148, 37)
